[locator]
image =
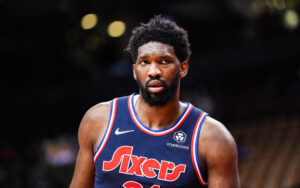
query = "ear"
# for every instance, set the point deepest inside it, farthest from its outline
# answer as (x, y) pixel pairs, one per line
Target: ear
(133, 70)
(184, 67)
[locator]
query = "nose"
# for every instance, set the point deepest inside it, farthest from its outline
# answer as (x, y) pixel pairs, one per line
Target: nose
(154, 70)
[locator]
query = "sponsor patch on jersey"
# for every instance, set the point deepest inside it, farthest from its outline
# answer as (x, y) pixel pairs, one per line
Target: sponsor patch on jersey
(179, 136)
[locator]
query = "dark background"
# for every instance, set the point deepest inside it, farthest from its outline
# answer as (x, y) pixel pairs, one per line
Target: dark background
(244, 65)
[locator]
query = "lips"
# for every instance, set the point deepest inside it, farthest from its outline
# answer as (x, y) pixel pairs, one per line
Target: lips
(155, 86)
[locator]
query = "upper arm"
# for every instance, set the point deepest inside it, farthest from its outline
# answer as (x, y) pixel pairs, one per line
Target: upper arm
(218, 151)
(91, 130)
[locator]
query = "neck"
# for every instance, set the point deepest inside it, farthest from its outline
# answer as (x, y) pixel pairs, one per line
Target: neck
(159, 117)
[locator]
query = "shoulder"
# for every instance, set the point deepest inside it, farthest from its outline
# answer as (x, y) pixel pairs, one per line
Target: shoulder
(94, 123)
(216, 143)
(218, 154)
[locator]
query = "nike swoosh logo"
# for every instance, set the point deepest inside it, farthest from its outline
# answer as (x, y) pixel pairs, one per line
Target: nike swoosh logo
(117, 132)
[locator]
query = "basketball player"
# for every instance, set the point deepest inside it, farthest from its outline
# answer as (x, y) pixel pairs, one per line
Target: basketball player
(152, 139)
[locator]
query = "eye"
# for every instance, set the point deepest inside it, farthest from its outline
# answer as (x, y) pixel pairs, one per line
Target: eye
(144, 62)
(165, 62)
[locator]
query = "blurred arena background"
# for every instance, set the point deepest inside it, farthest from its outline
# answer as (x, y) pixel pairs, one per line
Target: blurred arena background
(58, 59)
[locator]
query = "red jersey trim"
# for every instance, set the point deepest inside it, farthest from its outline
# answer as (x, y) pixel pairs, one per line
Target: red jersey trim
(106, 135)
(194, 150)
(145, 129)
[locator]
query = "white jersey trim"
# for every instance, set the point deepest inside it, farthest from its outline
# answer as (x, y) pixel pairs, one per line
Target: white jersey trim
(107, 133)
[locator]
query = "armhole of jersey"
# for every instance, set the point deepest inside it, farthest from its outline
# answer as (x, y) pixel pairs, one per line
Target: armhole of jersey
(106, 135)
(194, 150)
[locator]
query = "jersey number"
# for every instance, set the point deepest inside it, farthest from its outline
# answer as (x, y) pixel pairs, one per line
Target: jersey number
(133, 184)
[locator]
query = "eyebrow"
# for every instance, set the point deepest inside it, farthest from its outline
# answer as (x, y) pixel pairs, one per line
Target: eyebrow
(165, 56)
(162, 56)
(144, 57)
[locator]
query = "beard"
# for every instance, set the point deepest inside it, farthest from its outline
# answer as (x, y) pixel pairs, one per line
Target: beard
(159, 99)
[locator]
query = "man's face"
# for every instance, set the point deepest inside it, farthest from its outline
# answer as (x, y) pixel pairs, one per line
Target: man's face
(157, 71)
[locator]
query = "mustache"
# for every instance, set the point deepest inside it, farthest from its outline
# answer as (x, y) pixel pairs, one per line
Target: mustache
(156, 79)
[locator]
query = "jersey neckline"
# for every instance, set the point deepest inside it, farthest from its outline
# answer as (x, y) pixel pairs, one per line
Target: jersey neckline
(147, 130)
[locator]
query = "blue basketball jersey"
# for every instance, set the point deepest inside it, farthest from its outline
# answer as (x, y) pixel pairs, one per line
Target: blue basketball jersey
(131, 155)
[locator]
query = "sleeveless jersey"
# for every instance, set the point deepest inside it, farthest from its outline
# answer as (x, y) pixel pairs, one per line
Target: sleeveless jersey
(131, 155)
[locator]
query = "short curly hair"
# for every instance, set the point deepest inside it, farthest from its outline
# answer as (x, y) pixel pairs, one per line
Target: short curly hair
(162, 30)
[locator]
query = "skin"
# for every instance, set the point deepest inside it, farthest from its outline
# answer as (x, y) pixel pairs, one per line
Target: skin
(217, 151)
